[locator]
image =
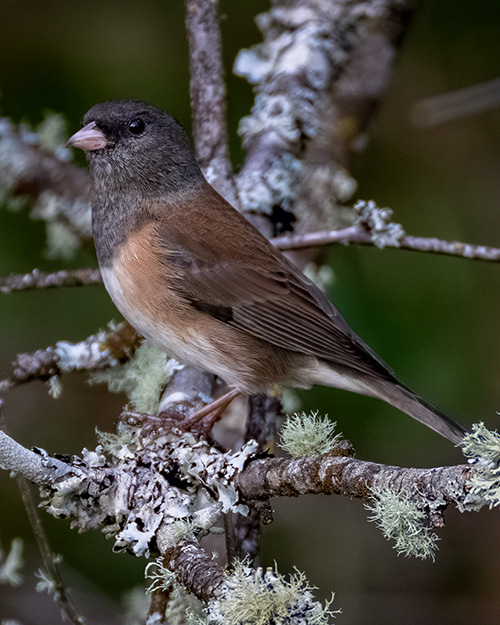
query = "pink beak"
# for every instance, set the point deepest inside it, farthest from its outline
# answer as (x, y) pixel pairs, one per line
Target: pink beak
(88, 138)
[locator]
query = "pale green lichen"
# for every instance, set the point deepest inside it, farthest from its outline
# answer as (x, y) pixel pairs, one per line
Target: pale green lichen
(402, 520)
(180, 530)
(482, 443)
(255, 597)
(181, 606)
(309, 435)
(483, 446)
(121, 445)
(142, 378)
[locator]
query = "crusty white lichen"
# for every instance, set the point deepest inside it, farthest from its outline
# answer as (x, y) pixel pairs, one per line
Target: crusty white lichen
(401, 519)
(149, 480)
(377, 220)
(290, 70)
(257, 597)
(88, 354)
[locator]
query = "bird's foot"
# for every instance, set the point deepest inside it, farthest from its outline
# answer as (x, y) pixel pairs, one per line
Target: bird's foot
(204, 418)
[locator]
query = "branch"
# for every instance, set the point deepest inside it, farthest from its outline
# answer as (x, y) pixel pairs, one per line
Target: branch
(341, 475)
(41, 280)
(361, 235)
(98, 351)
(208, 95)
(37, 467)
(446, 107)
(347, 108)
(161, 489)
(196, 571)
(308, 44)
(55, 584)
(58, 189)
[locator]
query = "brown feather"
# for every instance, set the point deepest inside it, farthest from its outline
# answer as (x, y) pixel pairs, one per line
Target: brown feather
(268, 297)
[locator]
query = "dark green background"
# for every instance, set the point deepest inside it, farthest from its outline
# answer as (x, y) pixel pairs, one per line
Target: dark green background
(434, 319)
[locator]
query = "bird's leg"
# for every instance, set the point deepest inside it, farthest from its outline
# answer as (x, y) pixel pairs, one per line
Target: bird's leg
(212, 412)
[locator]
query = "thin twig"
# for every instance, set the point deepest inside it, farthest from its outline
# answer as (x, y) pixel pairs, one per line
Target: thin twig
(42, 280)
(359, 235)
(48, 557)
(95, 352)
(457, 104)
(208, 94)
(58, 589)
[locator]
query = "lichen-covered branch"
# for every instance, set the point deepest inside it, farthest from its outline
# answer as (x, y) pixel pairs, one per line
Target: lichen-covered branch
(42, 280)
(152, 488)
(194, 568)
(346, 110)
(359, 235)
(309, 48)
(303, 50)
(100, 350)
(36, 466)
(156, 489)
(340, 475)
(57, 189)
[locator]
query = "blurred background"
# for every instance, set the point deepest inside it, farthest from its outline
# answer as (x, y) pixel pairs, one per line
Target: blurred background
(434, 319)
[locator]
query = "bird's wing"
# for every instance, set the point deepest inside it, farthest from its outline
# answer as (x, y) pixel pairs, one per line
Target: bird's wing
(254, 288)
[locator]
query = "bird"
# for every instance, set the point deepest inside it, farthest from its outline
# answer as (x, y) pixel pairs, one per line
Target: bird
(193, 276)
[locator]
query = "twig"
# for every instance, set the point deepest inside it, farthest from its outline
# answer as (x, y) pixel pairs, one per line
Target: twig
(41, 280)
(457, 104)
(59, 189)
(159, 604)
(95, 352)
(40, 469)
(261, 427)
(58, 589)
(360, 235)
(208, 94)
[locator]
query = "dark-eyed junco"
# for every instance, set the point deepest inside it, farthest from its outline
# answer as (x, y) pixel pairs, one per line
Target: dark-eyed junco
(193, 276)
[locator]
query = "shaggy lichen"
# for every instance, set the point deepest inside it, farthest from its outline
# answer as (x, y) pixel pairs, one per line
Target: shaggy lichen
(402, 520)
(482, 446)
(309, 435)
(254, 597)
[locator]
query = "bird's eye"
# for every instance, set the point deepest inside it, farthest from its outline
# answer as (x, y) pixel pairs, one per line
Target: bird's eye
(136, 126)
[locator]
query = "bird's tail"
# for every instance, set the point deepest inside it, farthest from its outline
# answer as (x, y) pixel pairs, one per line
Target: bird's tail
(402, 398)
